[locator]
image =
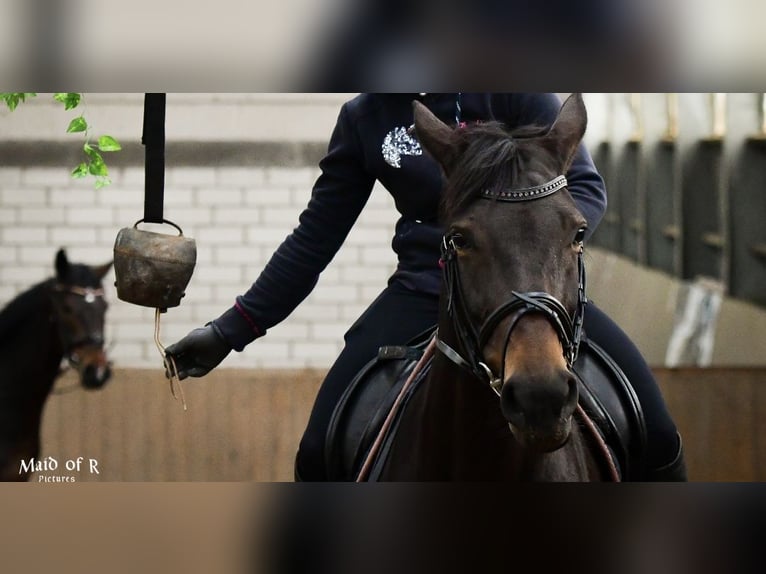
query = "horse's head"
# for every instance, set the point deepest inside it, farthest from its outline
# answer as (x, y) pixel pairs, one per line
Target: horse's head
(512, 254)
(78, 311)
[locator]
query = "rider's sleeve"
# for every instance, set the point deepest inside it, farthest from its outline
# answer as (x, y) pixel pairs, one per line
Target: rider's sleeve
(585, 183)
(337, 199)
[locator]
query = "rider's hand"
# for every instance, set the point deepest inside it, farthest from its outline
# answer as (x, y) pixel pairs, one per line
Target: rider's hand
(199, 352)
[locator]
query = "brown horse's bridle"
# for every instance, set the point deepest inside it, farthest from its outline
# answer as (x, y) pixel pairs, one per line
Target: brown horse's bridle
(471, 341)
(89, 295)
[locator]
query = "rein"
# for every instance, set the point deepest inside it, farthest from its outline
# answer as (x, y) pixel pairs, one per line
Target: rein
(471, 341)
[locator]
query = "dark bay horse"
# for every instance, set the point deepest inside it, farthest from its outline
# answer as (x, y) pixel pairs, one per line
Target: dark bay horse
(62, 317)
(501, 401)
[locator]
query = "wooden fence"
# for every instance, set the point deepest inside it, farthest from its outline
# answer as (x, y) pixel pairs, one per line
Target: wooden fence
(245, 425)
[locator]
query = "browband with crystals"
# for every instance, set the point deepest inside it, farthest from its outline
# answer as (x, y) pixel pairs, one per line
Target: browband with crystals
(527, 193)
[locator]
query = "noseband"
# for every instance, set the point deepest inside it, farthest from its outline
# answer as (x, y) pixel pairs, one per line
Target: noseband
(471, 341)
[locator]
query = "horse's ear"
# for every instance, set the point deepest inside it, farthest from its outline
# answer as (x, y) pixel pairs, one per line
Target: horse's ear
(434, 135)
(100, 271)
(62, 265)
(568, 129)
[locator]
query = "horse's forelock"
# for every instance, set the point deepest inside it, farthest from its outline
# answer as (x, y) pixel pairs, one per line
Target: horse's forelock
(489, 155)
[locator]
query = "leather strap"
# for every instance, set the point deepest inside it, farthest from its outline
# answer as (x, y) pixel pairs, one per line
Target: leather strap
(153, 139)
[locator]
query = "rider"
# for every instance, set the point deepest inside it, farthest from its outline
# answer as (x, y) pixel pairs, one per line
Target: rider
(371, 142)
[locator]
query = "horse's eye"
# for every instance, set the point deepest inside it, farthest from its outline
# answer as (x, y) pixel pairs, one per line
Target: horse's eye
(580, 235)
(459, 241)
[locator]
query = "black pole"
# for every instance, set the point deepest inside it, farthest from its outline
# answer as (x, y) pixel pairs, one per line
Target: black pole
(153, 139)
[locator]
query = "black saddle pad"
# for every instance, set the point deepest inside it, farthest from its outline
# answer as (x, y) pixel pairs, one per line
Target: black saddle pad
(605, 394)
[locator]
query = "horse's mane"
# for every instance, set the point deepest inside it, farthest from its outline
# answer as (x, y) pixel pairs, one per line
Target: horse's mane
(490, 156)
(22, 307)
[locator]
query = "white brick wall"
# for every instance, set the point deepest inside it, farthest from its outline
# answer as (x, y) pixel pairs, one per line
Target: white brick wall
(238, 216)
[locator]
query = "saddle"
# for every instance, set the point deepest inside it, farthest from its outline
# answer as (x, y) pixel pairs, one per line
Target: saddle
(605, 395)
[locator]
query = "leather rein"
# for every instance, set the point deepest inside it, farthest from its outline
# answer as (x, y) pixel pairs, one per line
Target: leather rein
(471, 341)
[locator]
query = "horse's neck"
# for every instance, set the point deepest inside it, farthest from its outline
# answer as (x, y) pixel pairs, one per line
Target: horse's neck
(574, 462)
(30, 347)
(463, 436)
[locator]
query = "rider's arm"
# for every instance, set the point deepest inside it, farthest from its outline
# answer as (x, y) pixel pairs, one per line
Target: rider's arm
(338, 196)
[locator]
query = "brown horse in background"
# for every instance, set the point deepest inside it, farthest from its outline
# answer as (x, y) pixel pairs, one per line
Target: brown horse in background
(62, 317)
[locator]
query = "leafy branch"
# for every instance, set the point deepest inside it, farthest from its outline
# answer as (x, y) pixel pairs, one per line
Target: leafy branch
(94, 163)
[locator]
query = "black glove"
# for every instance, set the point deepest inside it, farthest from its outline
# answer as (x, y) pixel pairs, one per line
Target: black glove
(199, 352)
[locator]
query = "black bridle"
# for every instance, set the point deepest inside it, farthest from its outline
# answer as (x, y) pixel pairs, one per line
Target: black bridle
(471, 341)
(89, 295)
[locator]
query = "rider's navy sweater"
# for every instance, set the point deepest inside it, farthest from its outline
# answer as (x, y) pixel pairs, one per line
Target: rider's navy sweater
(370, 143)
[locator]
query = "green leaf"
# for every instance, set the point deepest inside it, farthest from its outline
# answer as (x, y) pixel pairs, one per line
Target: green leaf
(91, 152)
(12, 99)
(102, 182)
(80, 171)
(69, 99)
(77, 125)
(98, 167)
(108, 143)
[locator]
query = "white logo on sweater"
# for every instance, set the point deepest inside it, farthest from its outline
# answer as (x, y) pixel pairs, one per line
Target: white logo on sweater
(398, 143)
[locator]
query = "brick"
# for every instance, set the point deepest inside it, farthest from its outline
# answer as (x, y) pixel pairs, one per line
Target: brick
(215, 197)
(266, 236)
(18, 235)
(268, 196)
(378, 216)
(238, 255)
(37, 255)
(240, 177)
(24, 274)
(128, 331)
(327, 331)
(220, 235)
(194, 176)
(89, 215)
(309, 312)
(366, 274)
(218, 274)
(22, 196)
(289, 330)
(285, 215)
(367, 235)
(46, 176)
(72, 197)
(92, 255)
(41, 215)
(314, 354)
(125, 353)
(348, 255)
(121, 196)
(291, 176)
(238, 215)
(8, 255)
(132, 176)
(184, 216)
(63, 236)
(178, 196)
(377, 256)
(334, 294)
(9, 215)
(107, 235)
(10, 176)
(380, 198)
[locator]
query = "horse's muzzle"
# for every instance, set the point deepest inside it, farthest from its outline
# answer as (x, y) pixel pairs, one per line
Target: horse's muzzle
(539, 412)
(93, 366)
